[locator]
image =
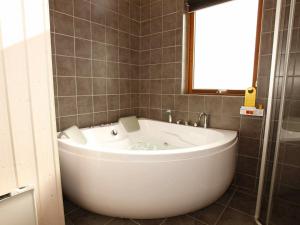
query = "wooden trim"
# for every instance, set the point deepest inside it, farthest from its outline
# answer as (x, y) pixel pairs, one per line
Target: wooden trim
(191, 45)
(196, 5)
(217, 92)
(257, 44)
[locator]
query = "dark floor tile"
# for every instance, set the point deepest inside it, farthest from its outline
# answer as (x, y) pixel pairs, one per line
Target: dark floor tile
(247, 165)
(68, 221)
(284, 213)
(226, 197)
(243, 202)
(69, 206)
(210, 214)
(83, 217)
(118, 221)
(245, 182)
(182, 220)
(233, 217)
(150, 222)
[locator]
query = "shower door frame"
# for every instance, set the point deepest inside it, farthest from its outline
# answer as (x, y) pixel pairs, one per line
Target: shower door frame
(279, 5)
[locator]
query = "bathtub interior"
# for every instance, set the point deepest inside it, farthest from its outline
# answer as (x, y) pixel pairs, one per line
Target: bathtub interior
(171, 163)
(152, 135)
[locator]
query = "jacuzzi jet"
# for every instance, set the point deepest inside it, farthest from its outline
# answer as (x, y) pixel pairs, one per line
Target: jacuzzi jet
(114, 132)
(166, 144)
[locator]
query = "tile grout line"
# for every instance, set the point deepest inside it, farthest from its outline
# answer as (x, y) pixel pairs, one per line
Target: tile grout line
(131, 64)
(134, 221)
(71, 211)
(109, 221)
(56, 84)
(118, 67)
(161, 113)
(197, 219)
(75, 69)
(91, 65)
(241, 212)
(225, 208)
(92, 4)
(106, 72)
(163, 221)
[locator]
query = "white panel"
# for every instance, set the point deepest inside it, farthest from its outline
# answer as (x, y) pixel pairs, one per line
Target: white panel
(42, 103)
(22, 205)
(12, 33)
(27, 65)
(7, 172)
(17, 89)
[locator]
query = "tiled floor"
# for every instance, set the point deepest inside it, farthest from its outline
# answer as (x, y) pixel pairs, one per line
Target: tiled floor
(233, 208)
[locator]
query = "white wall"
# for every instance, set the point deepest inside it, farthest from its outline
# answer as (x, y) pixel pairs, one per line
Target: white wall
(28, 147)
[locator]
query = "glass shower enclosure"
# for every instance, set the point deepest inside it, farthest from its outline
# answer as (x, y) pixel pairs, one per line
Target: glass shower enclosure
(278, 199)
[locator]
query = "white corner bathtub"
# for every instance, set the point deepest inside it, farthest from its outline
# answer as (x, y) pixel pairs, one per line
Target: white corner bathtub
(162, 170)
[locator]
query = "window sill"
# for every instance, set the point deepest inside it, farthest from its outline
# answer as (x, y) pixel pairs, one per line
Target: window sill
(217, 92)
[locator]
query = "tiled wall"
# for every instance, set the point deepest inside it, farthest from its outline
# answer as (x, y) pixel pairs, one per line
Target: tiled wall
(161, 77)
(95, 46)
(287, 186)
(114, 58)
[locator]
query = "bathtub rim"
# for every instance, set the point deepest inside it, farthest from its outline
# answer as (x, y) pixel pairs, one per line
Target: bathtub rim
(180, 153)
(159, 158)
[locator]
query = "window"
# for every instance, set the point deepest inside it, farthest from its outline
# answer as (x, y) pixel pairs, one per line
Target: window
(223, 47)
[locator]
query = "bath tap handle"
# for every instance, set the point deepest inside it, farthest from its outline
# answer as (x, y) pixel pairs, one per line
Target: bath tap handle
(169, 112)
(178, 121)
(205, 123)
(61, 134)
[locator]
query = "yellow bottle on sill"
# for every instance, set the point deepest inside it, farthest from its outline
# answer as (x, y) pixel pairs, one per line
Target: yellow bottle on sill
(250, 97)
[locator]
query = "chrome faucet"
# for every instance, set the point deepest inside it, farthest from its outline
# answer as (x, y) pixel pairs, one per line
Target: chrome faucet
(169, 112)
(61, 134)
(178, 121)
(183, 122)
(205, 123)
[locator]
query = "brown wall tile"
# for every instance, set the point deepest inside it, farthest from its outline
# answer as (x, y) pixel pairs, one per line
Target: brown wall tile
(84, 86)
(82, 9)
(83, 48)
(82, 28)
(67, 106)
(64, 6)
(64, 45)
(66, 86)
(85, 104)
(128, 60)
(65, 66)
(83, 67)
(100, 103)
(63, 24)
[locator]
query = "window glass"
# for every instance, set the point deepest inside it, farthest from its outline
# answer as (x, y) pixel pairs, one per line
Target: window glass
(225, 40)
